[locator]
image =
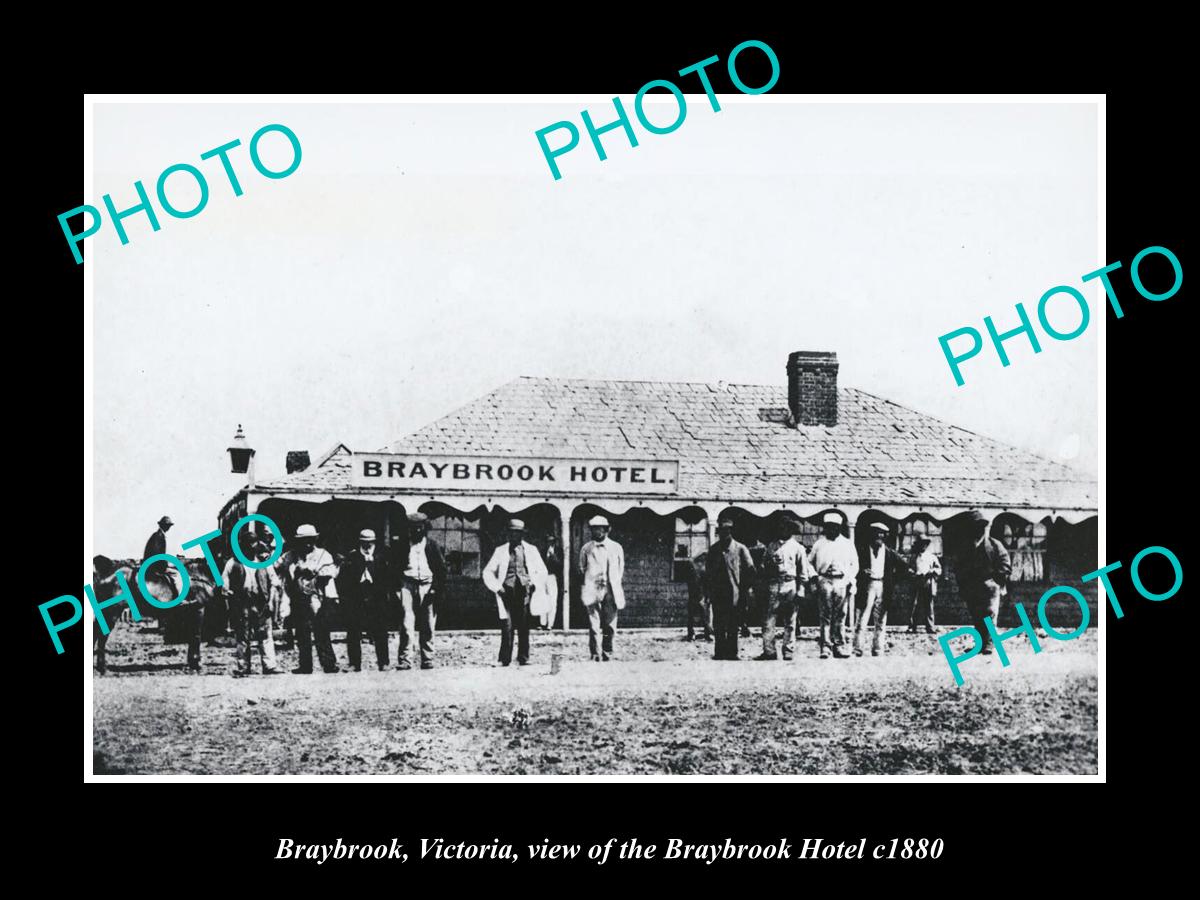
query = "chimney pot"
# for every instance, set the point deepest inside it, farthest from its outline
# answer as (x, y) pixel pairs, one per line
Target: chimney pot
(812, 387)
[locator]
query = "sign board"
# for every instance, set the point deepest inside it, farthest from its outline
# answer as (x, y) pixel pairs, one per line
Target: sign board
(425, 473)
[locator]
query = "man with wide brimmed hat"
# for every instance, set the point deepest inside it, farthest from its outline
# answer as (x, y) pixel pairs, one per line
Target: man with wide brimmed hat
(982, 572)
(602, 569)
(835, 564)
(363, 591)
(419, 577)
(516, 574)
(880, 567)
(307, 570)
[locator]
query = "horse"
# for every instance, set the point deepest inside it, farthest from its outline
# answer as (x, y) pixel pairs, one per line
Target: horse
(182, 623)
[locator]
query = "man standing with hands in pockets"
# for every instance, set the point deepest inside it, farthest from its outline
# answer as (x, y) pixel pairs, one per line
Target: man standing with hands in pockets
(602, 564)
(420, 573)
(785, 570)
(516, 574)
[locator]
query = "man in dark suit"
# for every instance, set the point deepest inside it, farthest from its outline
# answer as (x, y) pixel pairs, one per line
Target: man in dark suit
(728, 569)
(982, 572)
(419, 571)
(156, 544)
(880, 567)
(363, 589)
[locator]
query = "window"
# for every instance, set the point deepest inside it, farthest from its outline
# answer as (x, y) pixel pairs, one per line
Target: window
(459, 539)
(1026, 545)
(912, 530)
(691, 540)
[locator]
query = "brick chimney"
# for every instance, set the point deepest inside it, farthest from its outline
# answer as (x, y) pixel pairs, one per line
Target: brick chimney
(297, 461)
(812, 387)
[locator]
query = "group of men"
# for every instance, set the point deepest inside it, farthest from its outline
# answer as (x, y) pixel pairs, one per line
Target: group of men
(305, 582)
(832, 569)
(525, 588)
(306, 579)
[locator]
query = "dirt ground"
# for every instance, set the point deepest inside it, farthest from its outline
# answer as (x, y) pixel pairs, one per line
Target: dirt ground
(660, 707)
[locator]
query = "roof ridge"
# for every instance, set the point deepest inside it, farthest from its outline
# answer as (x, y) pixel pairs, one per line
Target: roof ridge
(976, 434)
(555, 380)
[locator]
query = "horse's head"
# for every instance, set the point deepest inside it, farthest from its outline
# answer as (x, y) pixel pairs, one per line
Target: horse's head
(105, 583)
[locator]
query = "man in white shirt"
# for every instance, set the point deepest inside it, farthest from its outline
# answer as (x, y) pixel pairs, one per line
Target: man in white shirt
(421, 583)
(602, 566)
(927, 567)
(785, 566)
(307, 570)
(881, 567)
(835, 562)
(515, 573)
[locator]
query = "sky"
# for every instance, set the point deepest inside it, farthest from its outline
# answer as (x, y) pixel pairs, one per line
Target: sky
(422, 255)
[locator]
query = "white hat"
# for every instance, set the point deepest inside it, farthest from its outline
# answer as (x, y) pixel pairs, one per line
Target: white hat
(598, 520)
(832, 518)
(306, 531)
(366, 535)
(879, 526)
(516, 525)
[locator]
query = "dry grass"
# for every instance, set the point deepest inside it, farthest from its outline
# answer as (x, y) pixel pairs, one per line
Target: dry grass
(661, 708)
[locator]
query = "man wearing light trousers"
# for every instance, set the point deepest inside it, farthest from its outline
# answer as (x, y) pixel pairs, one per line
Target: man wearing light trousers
(835, 562)
(602, 567)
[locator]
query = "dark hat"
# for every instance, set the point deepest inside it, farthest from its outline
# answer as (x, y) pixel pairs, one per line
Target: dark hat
(165, 520)
(976, 516)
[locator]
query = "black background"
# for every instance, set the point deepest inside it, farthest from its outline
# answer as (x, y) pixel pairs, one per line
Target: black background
(997, 833)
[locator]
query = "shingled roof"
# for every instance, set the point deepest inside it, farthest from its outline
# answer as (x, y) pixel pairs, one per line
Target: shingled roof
(734, 442)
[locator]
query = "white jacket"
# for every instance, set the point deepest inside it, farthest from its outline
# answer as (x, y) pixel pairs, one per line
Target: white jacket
(601, 571)
(496, 571)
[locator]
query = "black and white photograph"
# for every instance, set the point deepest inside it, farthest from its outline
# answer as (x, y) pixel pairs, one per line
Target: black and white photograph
(650, 457)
